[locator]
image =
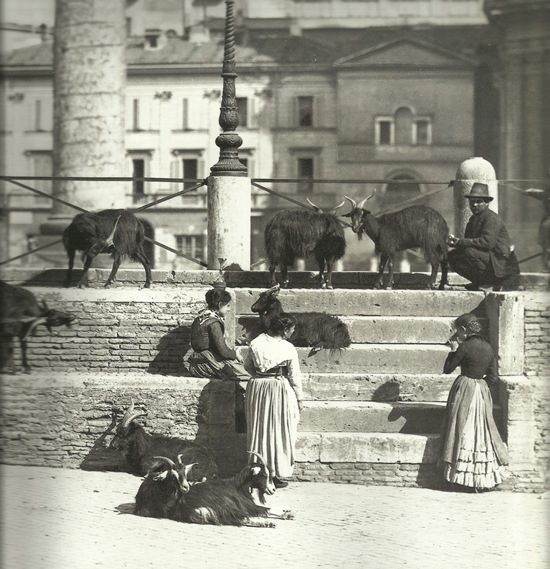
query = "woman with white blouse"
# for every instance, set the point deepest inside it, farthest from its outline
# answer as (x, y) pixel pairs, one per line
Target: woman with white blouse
(273, 399)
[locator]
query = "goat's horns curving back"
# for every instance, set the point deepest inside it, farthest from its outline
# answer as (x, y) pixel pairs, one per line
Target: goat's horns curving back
(275, 288)
(259, 456)
(337, 207)
(316, 207)
(130, 415)
(167, 460)
(111, 237)
(352, 202)
(362, 203)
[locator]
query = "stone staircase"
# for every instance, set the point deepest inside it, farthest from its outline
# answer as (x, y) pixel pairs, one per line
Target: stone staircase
(382, 400)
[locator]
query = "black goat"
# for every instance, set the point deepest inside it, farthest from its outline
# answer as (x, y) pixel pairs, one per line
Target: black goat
(294, 233)
(313, 329)
(21, 314)
(114, 231)
(415, 226)
(164, 484)
(141, 448)
(218, 502)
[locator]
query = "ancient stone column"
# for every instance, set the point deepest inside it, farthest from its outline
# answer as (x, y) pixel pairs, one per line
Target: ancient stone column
(229, 190)
(469, 172)
(89, 89)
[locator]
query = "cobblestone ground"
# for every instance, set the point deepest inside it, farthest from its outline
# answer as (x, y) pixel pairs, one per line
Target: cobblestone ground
(58, 519)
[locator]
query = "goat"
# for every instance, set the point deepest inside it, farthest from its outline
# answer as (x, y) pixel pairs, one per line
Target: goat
(219, 502)
(313, 329)
(294, 233)
(21, 314)
(140, 448)
(162, 487)
(415, 226)
(114, 231)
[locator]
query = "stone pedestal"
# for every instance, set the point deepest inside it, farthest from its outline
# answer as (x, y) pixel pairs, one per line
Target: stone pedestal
(469, 172)
(229, 227)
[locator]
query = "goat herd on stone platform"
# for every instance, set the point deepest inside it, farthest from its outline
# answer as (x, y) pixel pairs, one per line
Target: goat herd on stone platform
(291, 234)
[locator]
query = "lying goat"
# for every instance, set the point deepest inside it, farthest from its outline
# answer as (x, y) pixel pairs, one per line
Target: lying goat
(114, 231)
(218, 502)
(313, 329)
(21, 314)
(164, 484)
(415, 226)
(141, 448)
(294, 234)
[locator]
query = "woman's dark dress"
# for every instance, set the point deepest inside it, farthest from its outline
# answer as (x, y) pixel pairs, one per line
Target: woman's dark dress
(472, 451)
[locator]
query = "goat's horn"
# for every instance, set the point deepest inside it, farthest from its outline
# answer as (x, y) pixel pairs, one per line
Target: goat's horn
(36, 323)
(338, 207)
(188, 467)
(44, 306)
(352, 202)
(109, 239)
(274, 288)
(362, 203)
(131, 414)
(316, 207)
(167, 460)
(260, 457)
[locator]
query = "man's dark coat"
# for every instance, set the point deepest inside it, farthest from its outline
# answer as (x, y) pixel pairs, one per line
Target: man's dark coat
(487, 232)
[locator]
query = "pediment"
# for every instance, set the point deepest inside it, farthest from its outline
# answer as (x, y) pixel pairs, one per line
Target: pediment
(404, 52)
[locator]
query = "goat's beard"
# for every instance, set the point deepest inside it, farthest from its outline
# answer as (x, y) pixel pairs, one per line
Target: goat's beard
(257, 497)
(360, 232)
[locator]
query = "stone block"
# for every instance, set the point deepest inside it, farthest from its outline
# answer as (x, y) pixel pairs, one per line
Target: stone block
(379, 448)
(308, 447)
(376, 387)
(369, 302)
(372, 417)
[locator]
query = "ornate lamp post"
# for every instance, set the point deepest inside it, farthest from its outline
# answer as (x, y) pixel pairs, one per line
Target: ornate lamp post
(229, 141)
(229, 189)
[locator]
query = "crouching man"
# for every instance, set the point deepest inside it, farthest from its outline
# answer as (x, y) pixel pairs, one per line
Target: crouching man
(485, 255)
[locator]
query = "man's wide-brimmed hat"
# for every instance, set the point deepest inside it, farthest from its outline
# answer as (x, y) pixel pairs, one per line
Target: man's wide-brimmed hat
(479, 190)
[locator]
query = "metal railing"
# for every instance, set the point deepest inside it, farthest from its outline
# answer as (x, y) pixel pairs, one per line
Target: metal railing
(13, 180)
(256, 182)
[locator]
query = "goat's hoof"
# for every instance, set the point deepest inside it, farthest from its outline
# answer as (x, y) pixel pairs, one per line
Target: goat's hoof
(377, 286)
(147, 285)
(107, 285)
(81, 285)
(329, 287)
(388, 287)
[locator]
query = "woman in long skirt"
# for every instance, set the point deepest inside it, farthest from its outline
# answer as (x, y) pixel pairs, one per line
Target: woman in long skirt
(273, 398)
(472, 452)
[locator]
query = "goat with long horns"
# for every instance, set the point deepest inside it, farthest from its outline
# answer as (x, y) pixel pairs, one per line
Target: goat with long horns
(293, 234)
(415, 226)
(141, 448)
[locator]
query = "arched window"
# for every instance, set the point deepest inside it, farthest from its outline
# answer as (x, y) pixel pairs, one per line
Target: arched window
(403, 126)
(397, 191)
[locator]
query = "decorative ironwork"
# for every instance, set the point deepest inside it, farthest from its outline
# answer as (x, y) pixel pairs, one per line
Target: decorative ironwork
(229, 141)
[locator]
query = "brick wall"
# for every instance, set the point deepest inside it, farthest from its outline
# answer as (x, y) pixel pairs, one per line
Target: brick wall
(117, 330)
(63, 420)
(537, 369)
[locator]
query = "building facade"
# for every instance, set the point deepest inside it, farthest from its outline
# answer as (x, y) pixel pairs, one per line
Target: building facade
(397, 104)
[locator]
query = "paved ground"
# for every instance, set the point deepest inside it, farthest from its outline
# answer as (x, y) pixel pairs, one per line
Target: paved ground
(61, 519)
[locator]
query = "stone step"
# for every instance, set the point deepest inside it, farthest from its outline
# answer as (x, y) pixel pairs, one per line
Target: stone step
(369, 302)
(389, 448)
(374, 358)
(372, 417)
(377, 387)
(375, 329)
